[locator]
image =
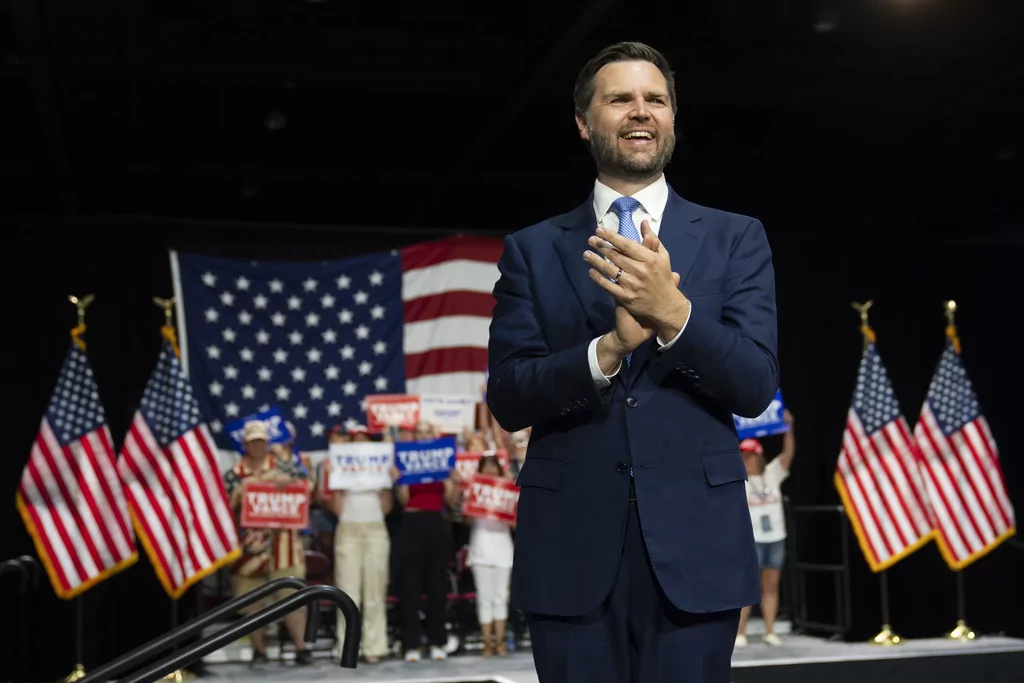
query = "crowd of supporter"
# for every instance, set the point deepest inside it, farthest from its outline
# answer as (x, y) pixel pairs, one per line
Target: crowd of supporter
(404, 547)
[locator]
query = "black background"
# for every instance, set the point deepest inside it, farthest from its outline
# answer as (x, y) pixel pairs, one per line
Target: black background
(884, 158)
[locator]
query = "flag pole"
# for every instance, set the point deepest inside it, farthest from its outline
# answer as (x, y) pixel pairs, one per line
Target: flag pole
(962, 632)
(81, 304)
(886, 636)
(79, 670)
(168, 333)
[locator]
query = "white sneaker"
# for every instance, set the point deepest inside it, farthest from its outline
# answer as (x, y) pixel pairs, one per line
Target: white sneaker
(412, 656)
(741, 640)
(772, 639)
(437, 654)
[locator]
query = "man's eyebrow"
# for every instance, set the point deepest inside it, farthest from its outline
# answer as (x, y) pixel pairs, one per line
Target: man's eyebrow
(650, 93)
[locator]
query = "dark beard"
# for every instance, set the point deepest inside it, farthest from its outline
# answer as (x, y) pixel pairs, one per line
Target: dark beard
(631, 167)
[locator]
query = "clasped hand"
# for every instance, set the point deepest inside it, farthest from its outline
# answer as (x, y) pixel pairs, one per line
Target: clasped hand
(640, 279)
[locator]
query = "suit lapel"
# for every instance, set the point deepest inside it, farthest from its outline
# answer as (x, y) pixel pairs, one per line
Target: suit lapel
(579, 225)
(682, 234)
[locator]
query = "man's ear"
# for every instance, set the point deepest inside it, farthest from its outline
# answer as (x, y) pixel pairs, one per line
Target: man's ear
(581, 125)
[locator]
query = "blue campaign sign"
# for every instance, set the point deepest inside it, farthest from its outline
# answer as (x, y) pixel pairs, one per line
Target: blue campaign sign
(272, 418)
(423, 462)
(766, 424)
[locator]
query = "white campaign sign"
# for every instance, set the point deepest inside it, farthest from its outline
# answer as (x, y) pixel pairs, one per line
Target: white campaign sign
(361, 466)
(451, 414)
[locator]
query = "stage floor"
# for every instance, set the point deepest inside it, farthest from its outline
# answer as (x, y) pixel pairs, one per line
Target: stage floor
(518, 667)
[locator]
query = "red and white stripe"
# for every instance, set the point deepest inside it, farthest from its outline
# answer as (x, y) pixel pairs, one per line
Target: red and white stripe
(972, 510)
(180, 507)
(446, 292)
(74, 507)
(879, 478)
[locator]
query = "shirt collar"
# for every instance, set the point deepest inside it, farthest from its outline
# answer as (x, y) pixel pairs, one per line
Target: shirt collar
(652, 198)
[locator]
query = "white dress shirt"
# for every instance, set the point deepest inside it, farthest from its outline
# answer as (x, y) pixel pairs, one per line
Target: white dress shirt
(653, 199)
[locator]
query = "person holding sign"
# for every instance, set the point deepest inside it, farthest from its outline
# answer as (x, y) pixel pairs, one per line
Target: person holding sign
(266, 553)
(490, 558)
(360, 480)
(422, 545)
(764, 499)
(627, 333)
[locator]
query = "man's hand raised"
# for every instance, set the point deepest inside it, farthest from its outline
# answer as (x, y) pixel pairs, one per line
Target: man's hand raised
(640, 278)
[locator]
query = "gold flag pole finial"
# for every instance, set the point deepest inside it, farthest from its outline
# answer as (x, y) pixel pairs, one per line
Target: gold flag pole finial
(168, 332)
(81, 304)
(951, 334)
(865, 328)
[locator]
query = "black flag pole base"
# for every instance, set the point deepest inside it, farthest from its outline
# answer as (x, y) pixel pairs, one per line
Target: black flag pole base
(962, 632)
(886, 637)
(75, 675)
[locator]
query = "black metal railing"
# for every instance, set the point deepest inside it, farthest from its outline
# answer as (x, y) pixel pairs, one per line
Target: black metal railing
(191, 653)
(799, 571)
(154, 647)
(27, 566)
(349, 651)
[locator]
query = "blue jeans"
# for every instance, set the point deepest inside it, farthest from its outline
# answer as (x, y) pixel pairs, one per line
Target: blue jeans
(771, 555)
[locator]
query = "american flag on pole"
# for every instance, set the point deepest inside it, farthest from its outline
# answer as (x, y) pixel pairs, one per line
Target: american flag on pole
(972, 510)
(315, 338)
(175, 491)
(70, 497)
(878, 475)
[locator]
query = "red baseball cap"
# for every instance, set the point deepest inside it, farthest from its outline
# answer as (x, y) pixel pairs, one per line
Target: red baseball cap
(752, 446)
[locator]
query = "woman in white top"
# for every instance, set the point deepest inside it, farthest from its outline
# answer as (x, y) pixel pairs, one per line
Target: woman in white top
(490, 557)
(768, 517)
(362, 557)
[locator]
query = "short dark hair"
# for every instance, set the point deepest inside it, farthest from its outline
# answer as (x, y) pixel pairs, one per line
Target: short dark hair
(583, 92)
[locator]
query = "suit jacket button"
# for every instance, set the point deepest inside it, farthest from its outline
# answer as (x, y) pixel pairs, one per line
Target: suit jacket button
(622, 468)
(631, 402)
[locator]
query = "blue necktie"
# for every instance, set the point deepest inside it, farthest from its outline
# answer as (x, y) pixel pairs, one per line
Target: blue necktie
(624, 208)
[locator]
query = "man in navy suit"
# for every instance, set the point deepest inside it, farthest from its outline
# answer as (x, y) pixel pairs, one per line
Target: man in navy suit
(626, 334)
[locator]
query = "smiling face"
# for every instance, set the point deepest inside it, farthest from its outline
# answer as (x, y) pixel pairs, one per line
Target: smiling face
(629, 124)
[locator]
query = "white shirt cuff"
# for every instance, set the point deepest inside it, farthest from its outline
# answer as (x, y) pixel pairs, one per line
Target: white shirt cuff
(601, 380)
(662, 346)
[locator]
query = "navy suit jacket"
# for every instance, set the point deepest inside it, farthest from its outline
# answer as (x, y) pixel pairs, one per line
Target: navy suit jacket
(668, 416)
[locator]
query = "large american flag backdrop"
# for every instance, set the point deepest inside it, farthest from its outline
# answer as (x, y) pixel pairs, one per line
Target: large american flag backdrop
(174, 487)
(878, 475)
(315, 338)
(973, 513)
(70, 497)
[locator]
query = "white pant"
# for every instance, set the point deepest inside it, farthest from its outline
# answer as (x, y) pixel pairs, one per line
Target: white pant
(362, 552)
(491, 592)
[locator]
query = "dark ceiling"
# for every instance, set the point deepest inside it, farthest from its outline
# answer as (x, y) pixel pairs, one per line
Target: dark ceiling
(851, 116)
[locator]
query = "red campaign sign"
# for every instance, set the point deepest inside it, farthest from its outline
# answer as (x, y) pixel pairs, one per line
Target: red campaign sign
(275, 506)
(386, 410)
(468, 463)
(491, 498)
